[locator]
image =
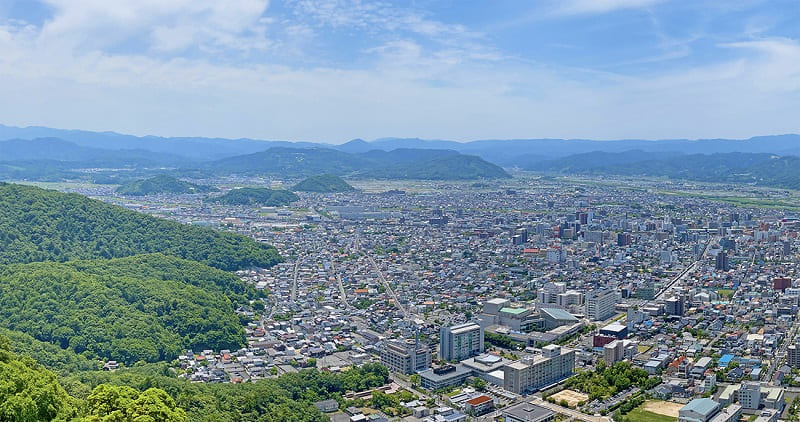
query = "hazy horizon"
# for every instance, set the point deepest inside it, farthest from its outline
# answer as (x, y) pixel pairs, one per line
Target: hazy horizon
(342, 142)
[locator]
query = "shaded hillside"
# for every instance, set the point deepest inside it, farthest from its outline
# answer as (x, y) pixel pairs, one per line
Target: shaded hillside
(161, 184)
(396, 164)
(325, 183)
(45, 225)
(60, 150)
(126, 309)
(258, 196)
(454, 167)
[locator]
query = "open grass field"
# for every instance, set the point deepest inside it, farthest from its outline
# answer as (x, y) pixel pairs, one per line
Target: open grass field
(641, 415)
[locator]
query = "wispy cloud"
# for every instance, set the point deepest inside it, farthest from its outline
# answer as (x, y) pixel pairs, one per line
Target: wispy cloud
(579, 7)
(163, 26)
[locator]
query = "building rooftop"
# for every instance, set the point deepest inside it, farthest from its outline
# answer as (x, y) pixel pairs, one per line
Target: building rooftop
(463, 328)
(479, 400)
(556, 313)
(460, 370)
(514, 311)
(527, 412)
(702, 406)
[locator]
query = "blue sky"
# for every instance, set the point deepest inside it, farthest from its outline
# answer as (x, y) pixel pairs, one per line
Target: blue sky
(333, 70)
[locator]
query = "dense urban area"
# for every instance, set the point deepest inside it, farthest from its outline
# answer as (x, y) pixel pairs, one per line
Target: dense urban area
(532, 299)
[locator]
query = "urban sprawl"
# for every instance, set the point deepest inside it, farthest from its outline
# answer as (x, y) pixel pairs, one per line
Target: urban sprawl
(538, 299)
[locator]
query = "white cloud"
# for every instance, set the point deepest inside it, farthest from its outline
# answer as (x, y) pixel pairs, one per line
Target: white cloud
(577, 7)
(167, 25)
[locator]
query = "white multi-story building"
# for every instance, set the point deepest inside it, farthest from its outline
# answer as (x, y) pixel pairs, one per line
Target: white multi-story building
(600, 304)
(536, 371)
(407, 357)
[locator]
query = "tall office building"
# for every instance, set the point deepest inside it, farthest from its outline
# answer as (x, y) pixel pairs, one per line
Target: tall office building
(461, 341)
(675, 306)
(793, 354)
(600, 304)
(407, 357)
(722, 262)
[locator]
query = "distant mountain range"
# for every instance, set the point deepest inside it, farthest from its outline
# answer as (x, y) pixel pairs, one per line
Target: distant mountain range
(53, 154)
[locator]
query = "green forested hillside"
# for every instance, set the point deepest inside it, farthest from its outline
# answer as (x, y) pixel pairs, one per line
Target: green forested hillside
(126, 309)
(44, 225)
(151, 392)
(290, 397)
(258, 196)
(401, 163)
(161, 184)
(31, 393)
(28, 392)
(325, 183)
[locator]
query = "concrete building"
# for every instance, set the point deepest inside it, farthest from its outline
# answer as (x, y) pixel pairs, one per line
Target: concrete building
(698, 410)
(613, 352)
(731, 413)
(569, 298)
(554, 317)
(675, 306)
(479, 405)
(407, 357)
(488, 367)
(548, 294)
(793, 355)
(600, 304)
(446, 376)
(536, 371)
(461, 341)
(750, 395)
(527, 412)
(754, 395)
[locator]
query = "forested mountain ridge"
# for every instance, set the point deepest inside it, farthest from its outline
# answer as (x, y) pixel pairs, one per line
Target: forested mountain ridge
(258, 196)
(159, 184)
(402, 163)
(45, 225)
(324, 183)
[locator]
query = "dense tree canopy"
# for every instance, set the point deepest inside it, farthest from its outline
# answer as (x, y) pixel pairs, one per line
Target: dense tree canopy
(28, 392)
(324, 183)
(44, 225)
(258, 196)
(607, 381)
(159, 184)
(130, 309)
